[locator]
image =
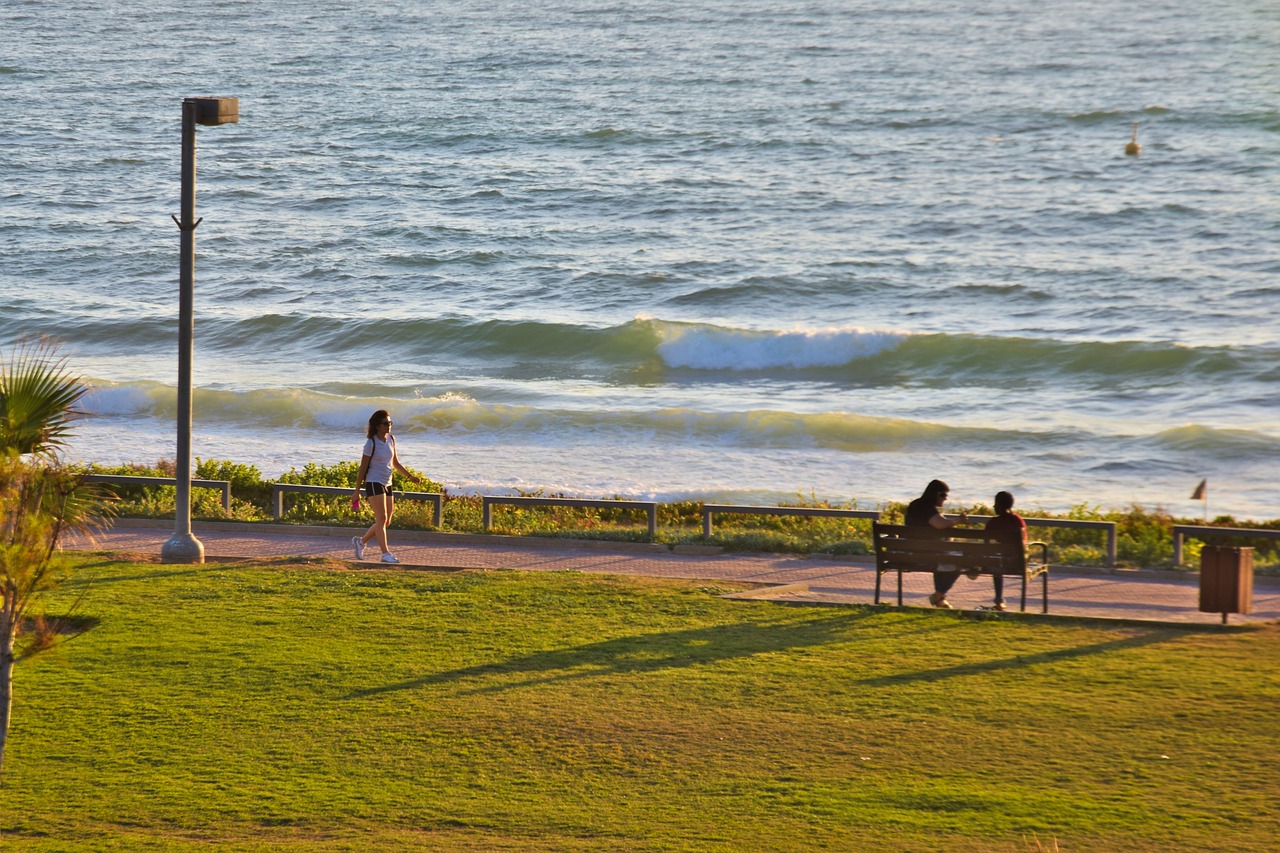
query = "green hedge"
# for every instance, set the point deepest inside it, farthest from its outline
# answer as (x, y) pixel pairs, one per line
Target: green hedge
(1143, 537)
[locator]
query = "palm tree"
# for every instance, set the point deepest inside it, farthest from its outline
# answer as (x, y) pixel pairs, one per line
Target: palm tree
(40, 499)
(38, 504)
(38, 399)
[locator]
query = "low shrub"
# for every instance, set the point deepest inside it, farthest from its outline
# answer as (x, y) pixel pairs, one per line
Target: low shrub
(1144, 537)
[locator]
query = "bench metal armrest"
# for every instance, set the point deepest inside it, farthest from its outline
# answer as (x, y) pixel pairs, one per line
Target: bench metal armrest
(1044, 554)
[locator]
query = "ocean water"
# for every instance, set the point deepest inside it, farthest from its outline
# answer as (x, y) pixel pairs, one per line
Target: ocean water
(741, 251)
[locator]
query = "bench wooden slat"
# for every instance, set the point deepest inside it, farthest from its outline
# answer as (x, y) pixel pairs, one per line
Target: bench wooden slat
(959, 562)
(943, 547)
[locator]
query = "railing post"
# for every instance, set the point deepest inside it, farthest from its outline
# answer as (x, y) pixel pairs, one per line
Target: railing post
(277, 501)
(1177, 547)
(653, 520)
(486, 512)
(706, 522)
(1111, 546)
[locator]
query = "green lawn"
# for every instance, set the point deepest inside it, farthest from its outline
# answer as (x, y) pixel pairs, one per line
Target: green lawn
(309, 706)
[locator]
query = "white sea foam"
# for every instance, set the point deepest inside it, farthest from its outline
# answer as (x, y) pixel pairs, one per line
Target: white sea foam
(714, 348)
(117, 400)
(344, 414)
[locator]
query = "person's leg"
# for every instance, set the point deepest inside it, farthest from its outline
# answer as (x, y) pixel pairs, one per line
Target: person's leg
(378, 530)
(390, 506)
(997, 582)
(942, 583)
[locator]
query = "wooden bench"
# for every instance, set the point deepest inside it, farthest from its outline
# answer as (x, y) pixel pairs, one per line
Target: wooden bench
(913, 549)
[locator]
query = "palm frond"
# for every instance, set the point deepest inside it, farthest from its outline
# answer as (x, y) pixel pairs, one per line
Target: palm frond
(39, 398)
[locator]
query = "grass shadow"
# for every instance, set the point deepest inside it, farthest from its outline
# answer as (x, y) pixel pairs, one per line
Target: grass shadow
(1020, 661)
(68, 625)
(174, 572)
(641, 653)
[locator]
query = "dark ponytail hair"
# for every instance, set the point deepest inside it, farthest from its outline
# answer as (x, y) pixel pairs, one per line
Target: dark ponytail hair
(375, 419)
(1004, 502)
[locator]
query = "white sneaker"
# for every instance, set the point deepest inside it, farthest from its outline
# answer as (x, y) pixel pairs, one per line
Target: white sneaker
(359, 546)
(389, 558)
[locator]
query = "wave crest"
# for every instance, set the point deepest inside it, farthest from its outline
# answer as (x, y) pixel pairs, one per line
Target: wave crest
(717, 348)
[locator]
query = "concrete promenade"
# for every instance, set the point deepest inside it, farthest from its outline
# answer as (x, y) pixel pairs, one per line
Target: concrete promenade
(1080, 592)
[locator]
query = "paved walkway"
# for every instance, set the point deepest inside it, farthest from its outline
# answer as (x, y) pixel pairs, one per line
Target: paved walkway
(1146, 596)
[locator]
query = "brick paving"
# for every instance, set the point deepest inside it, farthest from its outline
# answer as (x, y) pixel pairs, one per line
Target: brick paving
(1078, 592)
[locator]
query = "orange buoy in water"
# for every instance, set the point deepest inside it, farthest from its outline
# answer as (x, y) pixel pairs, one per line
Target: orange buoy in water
(1134, 148)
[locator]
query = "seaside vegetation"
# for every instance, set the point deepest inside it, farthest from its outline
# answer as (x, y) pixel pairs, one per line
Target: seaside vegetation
(1143, 539)
(310, 705)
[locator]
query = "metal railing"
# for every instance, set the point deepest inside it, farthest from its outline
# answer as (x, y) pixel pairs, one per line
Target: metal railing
(814, 511)
(278, 490)
(1072, 523)
(1204, 531)
(649, 507)
(128, 480)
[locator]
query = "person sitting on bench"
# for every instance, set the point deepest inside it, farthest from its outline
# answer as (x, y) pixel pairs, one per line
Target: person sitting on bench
(1008, 528)
(926, 512)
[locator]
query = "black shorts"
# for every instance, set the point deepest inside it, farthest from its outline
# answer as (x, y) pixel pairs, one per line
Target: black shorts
(371, 489)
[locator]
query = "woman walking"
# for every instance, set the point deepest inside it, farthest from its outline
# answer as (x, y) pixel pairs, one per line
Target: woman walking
(378, 462)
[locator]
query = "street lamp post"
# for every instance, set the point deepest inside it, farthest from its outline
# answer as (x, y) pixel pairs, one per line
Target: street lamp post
(183, 546)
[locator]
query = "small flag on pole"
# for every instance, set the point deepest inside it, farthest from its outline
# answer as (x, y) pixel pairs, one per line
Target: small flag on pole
(1201, 491)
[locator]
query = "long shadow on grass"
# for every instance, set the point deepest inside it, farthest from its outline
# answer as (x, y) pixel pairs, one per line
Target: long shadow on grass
(75, 581)
(1021, 660)
(644, 653)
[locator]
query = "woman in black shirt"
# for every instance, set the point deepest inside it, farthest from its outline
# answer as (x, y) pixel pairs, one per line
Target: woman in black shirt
(925, 512)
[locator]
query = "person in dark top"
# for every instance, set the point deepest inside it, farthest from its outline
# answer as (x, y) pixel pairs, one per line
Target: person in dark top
(925, 512)
(1007, 527)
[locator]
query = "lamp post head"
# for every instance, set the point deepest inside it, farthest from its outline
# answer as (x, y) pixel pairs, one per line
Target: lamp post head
(213, 111)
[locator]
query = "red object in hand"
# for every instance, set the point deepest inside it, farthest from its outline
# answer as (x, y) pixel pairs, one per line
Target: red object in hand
(355, 503)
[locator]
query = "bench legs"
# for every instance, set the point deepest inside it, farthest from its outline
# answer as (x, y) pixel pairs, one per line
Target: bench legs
(1044, 594)
(1044, 597)
(880, 578)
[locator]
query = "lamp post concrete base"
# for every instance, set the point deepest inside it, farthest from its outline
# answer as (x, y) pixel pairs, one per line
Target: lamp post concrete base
(182, 548)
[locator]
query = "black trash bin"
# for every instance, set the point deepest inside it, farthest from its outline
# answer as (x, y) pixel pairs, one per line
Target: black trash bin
(1226, 580)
